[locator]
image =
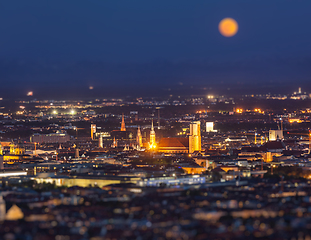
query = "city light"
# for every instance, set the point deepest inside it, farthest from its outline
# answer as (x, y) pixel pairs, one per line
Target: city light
(152, 146)
(7, 174)
(239, 110)
(294, 120)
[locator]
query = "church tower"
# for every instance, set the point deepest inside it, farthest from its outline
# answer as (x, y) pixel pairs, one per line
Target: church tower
(195, 137)
(152, 137)
(139, 139)
(123, 129)
(115, 143)
(93, 131)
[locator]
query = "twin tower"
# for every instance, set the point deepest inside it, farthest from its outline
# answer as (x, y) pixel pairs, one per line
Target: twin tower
(195, 137)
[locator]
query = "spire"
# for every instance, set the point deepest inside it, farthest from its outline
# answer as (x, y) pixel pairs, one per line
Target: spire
(139, 140)
(114, 144)
(123, 124)
(152, 137)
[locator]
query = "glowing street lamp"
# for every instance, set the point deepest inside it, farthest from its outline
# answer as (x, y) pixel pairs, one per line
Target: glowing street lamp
(152, 146)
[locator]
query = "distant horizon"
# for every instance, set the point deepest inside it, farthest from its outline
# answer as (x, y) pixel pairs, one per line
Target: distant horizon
(158, 92)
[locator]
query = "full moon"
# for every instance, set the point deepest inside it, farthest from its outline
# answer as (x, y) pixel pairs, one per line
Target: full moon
(228, 27)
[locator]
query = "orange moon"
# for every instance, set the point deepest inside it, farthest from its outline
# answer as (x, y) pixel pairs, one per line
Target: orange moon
(228, 27)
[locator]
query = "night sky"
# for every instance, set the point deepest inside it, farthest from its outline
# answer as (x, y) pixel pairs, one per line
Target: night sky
(153, 47)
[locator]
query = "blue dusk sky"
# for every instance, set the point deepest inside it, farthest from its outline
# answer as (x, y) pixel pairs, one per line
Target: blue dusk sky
(124, 47)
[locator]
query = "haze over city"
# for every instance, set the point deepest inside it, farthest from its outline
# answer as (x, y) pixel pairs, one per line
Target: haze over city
(133, 48)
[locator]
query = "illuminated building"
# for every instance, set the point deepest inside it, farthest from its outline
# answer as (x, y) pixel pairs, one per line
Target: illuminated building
(173, 145)
(122, 133)
(294, 120)
(275, 135)
(14, 213)
(10, 173)
(268, 157)
(17, 154)
(152, 142)
(139, 139)
(93, 130)
(114, 144)
(123, 129)
(210, 127)
(195, 137)
(194, 169)
(159, 181)
(50, 138)
(100, 141)
(77, 153)
(299, 95)
(87, 180)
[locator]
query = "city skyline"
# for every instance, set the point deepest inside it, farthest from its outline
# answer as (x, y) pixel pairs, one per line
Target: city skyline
(155, 119)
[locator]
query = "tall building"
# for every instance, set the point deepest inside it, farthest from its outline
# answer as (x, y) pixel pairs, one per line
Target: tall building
(209, 126)
(152, 142)
(93, 130)
(77, 155)
(114, 143)
(139, 138)
(195, 137)
(173, 145)
(123, 129)
(100, 142)
(275, 135)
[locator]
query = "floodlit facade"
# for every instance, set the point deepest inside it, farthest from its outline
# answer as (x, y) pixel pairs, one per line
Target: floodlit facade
(100, 142)
(93, 130)
(210, 127)
(139, 139)
(275, 135)
(152, 142)
(195, 137)
(123, 129)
